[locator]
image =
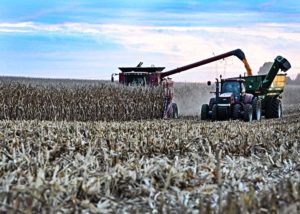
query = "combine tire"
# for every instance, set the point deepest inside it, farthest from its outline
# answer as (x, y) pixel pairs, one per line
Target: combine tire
(204, 112)
(256, 106)
(214, 114)
(274, 108)
(248, 113)
(236, 111)
(175, 111)
(212, 101)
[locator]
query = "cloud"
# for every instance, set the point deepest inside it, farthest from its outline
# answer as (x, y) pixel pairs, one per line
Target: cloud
(179, 45)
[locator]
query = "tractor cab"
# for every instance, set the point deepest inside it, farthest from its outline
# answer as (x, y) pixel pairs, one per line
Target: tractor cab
(139, 76)
(234, 88)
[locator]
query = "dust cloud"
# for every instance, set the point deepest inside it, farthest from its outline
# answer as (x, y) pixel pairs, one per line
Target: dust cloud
(190, 97)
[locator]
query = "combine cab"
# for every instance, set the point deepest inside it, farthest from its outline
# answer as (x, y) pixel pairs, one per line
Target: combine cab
(140, 76)
(248, 97)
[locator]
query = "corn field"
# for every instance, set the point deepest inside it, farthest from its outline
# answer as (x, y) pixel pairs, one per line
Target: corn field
(53, 162)
(107, 102)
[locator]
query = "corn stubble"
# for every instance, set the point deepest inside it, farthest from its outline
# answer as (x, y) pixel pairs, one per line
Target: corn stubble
(158, 166)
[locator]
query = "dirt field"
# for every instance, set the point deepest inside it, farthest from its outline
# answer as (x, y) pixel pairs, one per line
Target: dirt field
(159, 166)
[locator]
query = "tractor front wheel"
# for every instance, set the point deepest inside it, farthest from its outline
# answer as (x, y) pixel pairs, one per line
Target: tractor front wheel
(223, 113)
(204, 112)
(248, 113)
(236, 111)
(214, 114)
(212, 101)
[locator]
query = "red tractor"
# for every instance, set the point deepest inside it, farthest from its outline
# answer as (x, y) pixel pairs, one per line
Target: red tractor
(153, 76)
(249, 97)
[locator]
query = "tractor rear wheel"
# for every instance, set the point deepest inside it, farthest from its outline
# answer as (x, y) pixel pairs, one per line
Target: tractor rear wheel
(236, 111)
(204, 112)
(256, 106)
(274, 108)
(175, 111)
(248, 113)
(214, 114)
(212, 101)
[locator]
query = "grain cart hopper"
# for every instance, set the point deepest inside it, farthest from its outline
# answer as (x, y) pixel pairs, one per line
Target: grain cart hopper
(248, 97)
(153, 76)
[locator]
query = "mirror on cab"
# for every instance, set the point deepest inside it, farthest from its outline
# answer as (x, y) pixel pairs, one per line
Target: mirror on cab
(208, 82)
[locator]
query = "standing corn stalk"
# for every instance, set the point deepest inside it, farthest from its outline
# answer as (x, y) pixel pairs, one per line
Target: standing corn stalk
(82, 103)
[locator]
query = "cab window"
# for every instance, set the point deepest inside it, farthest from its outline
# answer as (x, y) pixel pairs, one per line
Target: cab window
(136, 80)
(231, 87)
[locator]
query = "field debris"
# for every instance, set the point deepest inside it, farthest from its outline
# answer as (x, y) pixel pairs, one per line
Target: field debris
(158, 166)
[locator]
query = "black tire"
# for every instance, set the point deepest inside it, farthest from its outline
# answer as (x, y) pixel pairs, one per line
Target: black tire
(204, 112)
(214, 114)
(248, 113)
(223, 113)
(212, 101)
(273, 108)
(256, 106)
(236, 111)
(175, 111)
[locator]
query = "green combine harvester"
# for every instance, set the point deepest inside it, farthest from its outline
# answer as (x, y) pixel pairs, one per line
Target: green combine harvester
(248, 97)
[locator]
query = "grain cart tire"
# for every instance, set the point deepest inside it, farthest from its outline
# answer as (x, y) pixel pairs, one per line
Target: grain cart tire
(236, 111)
(214, 114)
(256, 106)
(274, 108)
(212, 101)
(175, 111)
(204, 112)
(248, 113)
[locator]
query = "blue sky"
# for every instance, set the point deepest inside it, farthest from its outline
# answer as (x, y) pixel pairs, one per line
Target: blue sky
(90, 39)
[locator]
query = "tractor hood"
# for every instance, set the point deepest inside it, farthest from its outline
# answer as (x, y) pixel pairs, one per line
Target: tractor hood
(226, 98)
(227, 94)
